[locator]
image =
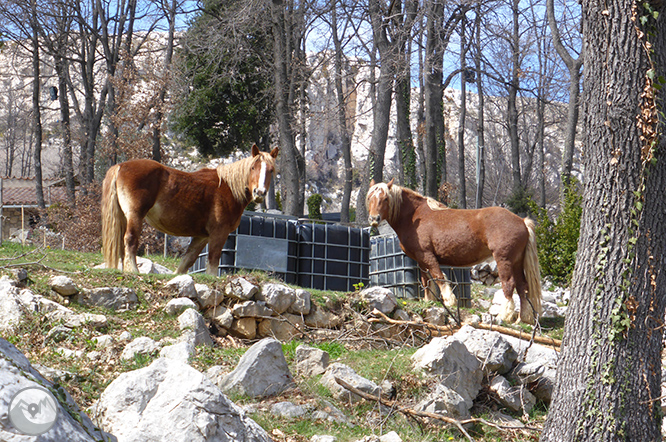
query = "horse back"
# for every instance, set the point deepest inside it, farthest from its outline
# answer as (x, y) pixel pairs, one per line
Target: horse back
(463, 237)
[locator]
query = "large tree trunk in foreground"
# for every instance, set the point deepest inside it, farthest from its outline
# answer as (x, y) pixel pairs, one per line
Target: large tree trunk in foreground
(608, 379)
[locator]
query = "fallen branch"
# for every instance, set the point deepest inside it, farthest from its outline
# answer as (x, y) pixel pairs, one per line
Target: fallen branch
(439, 330)
(459, 424)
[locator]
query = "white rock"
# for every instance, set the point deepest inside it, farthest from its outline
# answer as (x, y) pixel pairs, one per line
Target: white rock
(113, 298)
(494, 352)
(457, 368)
(192, 322)
(183, 286)
(142, 345)
(380, 298)
(63, 285)
(208, 297)
(515, 398)
(16, 374)
(278, 297)
(288, 410)
(302, 303)
(241, 289)
(104, 341)
(169, 400)
(347, 374)
(311, 361)
(177, 306)
(181, 351)
(391, 436)
(11, 310)
(261, 372)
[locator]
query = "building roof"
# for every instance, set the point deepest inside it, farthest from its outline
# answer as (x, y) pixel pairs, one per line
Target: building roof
(27, 195)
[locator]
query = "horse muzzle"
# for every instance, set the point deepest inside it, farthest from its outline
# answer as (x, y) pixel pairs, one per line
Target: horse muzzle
(258, 196)
(373, 220)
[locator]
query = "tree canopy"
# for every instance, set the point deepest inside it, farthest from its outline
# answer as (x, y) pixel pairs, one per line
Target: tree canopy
(223, 101)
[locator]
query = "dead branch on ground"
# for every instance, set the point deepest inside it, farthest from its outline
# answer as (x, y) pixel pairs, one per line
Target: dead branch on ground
(438, 330)
(409, 412)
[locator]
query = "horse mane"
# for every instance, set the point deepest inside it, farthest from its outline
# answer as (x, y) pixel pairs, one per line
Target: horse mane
(435, 205)
(237, 174)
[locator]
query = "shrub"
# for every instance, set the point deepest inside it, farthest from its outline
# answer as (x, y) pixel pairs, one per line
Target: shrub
(558, 240)
(314, 206)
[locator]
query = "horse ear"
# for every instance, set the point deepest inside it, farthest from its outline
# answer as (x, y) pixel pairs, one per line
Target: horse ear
(255, 150)
(390, 183)
(372, 182)
(274, 152)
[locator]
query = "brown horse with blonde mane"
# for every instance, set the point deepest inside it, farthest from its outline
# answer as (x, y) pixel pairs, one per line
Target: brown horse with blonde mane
(206, 205)
(433, 235)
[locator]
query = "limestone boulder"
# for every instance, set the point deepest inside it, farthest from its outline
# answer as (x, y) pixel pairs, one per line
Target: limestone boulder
(261, 372)
(169, 400)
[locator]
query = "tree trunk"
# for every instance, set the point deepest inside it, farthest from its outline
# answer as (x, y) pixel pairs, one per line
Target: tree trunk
(434, 118)
(403, 96)
(480, 134)
(420, 111)
(68, 165)
(381, 112)
(289, 176)
(342, 118)
(574, 66)
(36, 111)
(512, 111)
(462, 117)
(609, 375)
(168, 56)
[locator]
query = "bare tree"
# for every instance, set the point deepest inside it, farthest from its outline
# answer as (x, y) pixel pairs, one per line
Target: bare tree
(574, 65)
(480, 134)
(342, 117)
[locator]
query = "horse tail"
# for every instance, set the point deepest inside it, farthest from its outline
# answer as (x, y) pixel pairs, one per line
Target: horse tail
(114, 222)
(532, 270)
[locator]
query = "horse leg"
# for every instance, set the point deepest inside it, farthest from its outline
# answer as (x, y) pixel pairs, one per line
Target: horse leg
(214, 252)
(439, 281)
(526, 309)
(132, 235)
(508, 313)
(430, 288)
(193, 250)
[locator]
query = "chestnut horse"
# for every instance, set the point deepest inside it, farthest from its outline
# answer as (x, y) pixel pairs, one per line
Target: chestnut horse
(433, 235)
(206, 205)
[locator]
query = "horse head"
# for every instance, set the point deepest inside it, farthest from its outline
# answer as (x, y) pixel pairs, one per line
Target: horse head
(261, 173)
(378, 202)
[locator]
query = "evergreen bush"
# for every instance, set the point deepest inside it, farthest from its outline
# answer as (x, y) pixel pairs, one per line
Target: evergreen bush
(557, 241)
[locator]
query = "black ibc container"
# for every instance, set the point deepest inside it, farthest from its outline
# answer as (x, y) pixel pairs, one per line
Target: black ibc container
(391, 268)
(332, 256)
(259, 243)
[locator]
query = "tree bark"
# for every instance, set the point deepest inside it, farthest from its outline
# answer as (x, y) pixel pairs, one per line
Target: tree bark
(480, 134)
(462, 117)
(342, 118)
(434, 118)
(404, 24)
(36, 110)
(512, 109)
(609, 375)
(289, 176)
(168, 56)
(574, 66)
(382, 110)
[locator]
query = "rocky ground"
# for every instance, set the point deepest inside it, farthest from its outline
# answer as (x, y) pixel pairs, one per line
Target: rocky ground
(158, 357)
